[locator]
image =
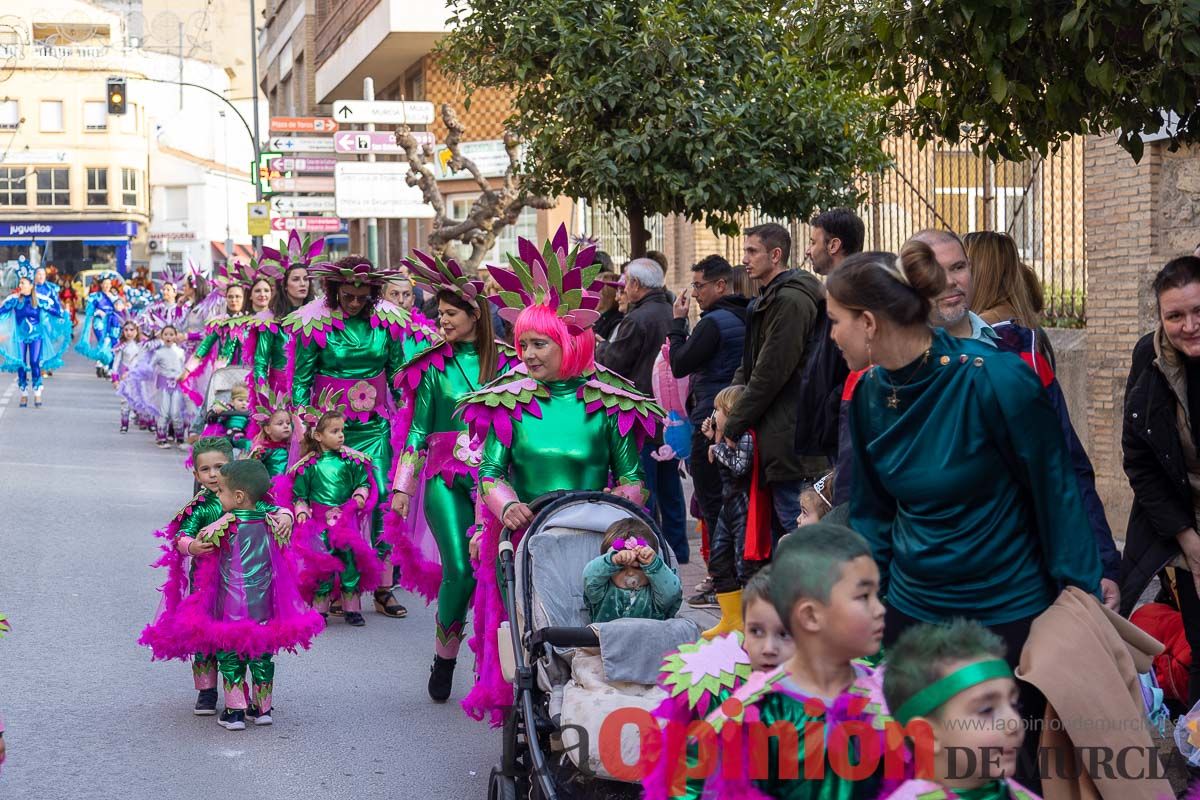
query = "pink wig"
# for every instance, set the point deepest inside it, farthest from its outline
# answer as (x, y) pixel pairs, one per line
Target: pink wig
(579, 350)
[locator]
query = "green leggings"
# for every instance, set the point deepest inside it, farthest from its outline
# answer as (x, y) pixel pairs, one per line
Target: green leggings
(233, 673)
(450, 513)
(350, 576)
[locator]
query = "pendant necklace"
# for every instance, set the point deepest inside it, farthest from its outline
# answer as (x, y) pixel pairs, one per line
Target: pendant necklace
(893, 400)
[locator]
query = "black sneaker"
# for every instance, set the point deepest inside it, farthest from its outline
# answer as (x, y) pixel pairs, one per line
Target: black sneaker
(257, 716)
(703, 600)
(232, 719)
(441, 678)
(355, 619)
(206, 703)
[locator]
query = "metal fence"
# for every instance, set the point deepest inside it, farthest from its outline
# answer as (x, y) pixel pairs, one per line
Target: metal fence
(1039, 203)
(611, 228)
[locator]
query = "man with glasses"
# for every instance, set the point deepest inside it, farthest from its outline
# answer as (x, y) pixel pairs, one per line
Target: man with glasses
(710, 355)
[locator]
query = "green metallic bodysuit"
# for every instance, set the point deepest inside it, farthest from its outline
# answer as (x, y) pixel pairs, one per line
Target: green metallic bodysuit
(273, 455)
(357, 351)
(270, 357)
(331, 480)
(567, 447)
(448, 501)
(229, 346)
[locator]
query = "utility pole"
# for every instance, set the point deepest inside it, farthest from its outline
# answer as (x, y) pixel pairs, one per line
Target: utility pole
(257, 240)
(372, 222)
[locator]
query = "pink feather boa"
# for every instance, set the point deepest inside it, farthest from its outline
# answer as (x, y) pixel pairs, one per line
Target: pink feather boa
(188, 625)
(417, 571)
(491, 695)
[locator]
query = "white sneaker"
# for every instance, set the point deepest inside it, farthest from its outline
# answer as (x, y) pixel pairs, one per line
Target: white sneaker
(263, 719)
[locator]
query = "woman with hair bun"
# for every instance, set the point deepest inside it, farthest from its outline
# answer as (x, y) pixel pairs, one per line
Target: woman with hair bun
(962, 482)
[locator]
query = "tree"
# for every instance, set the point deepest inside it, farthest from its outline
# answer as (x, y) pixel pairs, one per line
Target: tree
(494, 209)
(697, 107)
(1014, 77)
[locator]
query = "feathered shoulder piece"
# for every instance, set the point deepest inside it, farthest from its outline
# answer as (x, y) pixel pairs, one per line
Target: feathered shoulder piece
(500, 403)
(563, 281)
(313, 321)
(350, 454)
(703, 671)
(303, 463)
(396, 320)
(618, 397)
(201, 497)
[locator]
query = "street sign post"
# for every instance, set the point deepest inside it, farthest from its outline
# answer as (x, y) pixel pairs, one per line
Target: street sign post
(258, 218)
(307, 224)
(286, 206)
(368, 142)
(289, 164)
(301, 144)
(302, 184)
(303, 125)
(366, 190)
(383, 112)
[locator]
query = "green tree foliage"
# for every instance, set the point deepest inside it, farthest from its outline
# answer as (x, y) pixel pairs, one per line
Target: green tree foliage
(699, 107)
(1014, 77)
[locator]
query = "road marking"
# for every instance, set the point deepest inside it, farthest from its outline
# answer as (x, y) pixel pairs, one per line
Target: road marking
(8, 393)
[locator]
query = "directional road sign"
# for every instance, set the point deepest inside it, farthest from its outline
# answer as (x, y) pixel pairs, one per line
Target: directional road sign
(307, 224)
(289, 164)
(313, 184)
(285, 205)
(301, 144)
(364, 142)
(303, 125)
(385, 112)
(378, 190)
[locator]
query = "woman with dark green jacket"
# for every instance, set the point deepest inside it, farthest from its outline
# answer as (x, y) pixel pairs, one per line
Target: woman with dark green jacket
(962, 482)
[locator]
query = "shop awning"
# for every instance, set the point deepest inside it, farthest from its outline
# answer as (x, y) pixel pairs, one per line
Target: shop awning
(241, 252)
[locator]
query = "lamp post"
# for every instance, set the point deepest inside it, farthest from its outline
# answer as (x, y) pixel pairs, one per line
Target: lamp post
(257, 240)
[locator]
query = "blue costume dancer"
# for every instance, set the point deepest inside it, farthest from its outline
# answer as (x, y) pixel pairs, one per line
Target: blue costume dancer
(102, 326)
(30, 331)
(48, 297)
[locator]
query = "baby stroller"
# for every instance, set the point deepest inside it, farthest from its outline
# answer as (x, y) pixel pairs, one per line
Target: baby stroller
(540, 652)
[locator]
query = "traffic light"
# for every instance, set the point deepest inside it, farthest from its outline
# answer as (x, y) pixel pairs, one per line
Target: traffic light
(116, 96)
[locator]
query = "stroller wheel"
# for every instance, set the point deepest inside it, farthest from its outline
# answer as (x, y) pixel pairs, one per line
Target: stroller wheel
(500, 786)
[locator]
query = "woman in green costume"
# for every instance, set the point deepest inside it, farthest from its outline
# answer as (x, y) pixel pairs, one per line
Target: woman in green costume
(434, 497)
(558, 422)
(962, 482)
(351, 341)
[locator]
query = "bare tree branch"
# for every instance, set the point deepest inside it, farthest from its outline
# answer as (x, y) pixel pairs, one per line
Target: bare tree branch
(494, 209)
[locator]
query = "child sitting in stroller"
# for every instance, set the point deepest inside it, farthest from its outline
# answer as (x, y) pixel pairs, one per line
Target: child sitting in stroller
(629, 579)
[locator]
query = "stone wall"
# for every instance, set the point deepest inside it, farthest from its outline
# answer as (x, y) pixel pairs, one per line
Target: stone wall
(1137, 216)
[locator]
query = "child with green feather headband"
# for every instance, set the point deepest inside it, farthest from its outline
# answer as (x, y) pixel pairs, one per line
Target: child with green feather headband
(953, 677)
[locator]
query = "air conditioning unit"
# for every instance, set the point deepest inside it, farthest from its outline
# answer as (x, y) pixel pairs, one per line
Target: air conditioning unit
(153, 245)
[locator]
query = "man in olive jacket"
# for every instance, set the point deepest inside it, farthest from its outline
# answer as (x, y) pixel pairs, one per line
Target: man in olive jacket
(778, 329)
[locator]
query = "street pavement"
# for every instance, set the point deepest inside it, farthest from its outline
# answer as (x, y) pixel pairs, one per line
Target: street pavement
(88, 715)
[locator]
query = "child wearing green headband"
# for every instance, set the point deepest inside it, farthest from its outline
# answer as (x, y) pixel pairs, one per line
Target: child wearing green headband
(955, 678)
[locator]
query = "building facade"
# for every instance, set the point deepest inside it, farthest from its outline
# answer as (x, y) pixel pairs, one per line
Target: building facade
(77, 183)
